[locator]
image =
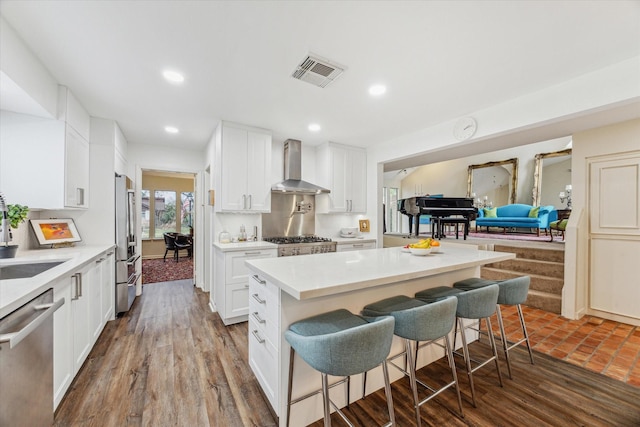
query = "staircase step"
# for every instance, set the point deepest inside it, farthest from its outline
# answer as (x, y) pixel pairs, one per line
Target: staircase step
(544, 301)
(540, 254)
(527, 266)
(540, 283)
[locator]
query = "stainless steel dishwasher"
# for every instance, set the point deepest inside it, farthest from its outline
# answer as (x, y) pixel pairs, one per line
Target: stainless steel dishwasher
(26, 363)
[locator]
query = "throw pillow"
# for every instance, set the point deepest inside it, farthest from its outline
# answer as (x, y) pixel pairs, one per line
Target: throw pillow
(490, 212)
(533, 213)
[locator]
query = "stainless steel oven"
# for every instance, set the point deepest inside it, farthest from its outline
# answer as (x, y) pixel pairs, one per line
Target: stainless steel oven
(302, 245)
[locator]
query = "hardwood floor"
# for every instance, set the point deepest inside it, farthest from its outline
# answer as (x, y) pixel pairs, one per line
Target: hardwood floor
(171, 362)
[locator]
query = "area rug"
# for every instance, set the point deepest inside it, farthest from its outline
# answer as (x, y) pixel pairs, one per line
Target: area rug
(156, 270)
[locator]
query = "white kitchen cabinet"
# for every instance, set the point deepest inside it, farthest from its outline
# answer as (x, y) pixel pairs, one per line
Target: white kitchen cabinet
(80, 306)
(108, 288)
(54, 150)
(355, 246)
(343, 170)
(264, 330)
(243, 156)
(231, 287)
(73, 113)
(62, 340)
(79, 322)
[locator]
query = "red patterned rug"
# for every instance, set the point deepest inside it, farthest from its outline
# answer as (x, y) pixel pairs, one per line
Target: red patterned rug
(155, 270)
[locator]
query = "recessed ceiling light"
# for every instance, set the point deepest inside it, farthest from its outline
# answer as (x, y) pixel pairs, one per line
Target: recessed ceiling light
(171, 129)
(314, 127)
(377, 90)
(173, 76)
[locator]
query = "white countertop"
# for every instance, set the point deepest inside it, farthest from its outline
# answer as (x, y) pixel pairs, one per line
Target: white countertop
(311, 276)
(243, 246)
(16, 292)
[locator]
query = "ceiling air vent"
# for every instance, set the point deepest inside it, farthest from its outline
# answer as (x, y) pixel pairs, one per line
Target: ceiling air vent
(317, 71)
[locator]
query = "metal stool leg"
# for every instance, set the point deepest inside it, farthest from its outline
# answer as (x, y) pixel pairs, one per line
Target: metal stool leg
(412, 379)
(291, 355)
(325, 400)
(524, 331)
(467, 361)
(494, 347)
(452, 364)
(505, 343)
(387, 392)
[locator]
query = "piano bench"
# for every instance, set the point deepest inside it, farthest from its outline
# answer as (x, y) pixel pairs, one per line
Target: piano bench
(440, 222)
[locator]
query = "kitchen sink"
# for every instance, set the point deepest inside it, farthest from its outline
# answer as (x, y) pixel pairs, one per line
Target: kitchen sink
(26, 270)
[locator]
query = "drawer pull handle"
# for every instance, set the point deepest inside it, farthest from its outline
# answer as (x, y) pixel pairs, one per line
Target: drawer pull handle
(253, 253)
(257, 298)
(258, 318)
(259, 280)
(257, 337)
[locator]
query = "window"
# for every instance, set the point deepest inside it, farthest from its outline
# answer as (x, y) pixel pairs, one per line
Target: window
(165, 213)
(186, 214)
(392, 215)
(145, 214)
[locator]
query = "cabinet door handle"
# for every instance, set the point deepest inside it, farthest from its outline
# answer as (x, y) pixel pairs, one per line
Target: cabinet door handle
(257, 337)
(79, 196)
(257, 298)
(81, 284)
(259, 280)
(250, 201)
(76, 281)
(244, 201)
(257, 317)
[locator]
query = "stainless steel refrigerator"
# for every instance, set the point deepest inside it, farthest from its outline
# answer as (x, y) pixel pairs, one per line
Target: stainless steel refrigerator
(127, 257)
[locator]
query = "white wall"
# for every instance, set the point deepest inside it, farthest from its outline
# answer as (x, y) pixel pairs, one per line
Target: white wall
(619, 138)
(24, 69)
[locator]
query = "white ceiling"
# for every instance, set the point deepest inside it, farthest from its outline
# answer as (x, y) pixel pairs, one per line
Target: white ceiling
(440, 60)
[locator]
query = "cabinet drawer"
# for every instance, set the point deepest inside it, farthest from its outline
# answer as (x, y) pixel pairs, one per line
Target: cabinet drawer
(343, 247)
(235, 269)
(263, 359)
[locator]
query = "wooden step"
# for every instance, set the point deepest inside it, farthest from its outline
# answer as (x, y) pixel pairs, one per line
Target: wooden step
(540, 254)
(528, 266)
(551, 285)
(544, 301)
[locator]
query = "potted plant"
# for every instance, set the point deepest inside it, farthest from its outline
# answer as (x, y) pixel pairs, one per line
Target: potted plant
(16, 215)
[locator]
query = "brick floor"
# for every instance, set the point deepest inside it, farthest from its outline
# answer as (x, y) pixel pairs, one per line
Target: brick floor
(603, 346)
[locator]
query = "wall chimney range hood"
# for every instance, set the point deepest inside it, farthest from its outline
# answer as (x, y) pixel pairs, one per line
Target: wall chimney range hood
(293, 172)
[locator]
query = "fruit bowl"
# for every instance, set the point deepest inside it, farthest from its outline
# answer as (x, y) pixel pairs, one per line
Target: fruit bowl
(420, 251)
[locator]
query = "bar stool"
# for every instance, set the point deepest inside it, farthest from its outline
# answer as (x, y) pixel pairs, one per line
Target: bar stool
(340, 343)
(475, 304)
(418, 321)
(513, 291)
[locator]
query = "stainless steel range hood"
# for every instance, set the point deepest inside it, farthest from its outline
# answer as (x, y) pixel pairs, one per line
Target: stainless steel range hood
(293, 172)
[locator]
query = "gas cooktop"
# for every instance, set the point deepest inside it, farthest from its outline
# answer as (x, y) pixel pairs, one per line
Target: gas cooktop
(292, 240)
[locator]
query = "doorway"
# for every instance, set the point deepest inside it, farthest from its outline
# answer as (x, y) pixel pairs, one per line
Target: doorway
(167, 221)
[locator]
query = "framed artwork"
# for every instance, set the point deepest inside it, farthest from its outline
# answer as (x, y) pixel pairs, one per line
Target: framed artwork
(54, 231)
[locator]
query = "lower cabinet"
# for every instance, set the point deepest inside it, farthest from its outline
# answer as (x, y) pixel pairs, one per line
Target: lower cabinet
(355, 246)
(231, 289)
(264, 339)
(108, 288)
(79, 322)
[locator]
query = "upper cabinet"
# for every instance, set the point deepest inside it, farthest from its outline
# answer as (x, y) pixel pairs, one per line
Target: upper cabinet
(343, 170)
(243, 160)
(56, 155)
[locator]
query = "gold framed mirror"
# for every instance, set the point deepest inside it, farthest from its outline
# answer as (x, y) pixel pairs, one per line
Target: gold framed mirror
(538, 176)
(496, 181)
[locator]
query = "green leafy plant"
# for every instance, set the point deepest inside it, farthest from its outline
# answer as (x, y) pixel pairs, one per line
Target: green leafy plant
(17, 214)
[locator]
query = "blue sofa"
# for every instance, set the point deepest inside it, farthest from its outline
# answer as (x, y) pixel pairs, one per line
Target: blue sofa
(517, 216)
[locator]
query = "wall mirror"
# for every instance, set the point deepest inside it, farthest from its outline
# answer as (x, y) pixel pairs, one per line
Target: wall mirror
(493, 183)
(551, 175)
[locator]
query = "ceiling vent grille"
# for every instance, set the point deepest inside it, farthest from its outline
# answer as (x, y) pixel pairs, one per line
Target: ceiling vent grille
(317, 71)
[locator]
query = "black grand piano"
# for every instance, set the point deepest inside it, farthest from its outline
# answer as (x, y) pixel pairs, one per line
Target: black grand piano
(445, 210)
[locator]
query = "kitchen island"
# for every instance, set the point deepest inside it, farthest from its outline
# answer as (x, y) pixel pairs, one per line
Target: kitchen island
(286, 289)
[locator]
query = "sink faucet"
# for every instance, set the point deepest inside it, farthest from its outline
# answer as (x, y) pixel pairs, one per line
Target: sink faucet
(5, 230)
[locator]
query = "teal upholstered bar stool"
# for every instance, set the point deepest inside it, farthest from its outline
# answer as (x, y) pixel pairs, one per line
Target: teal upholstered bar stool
(417, 321)
(513, 291)
(339, 343)
(475, 304)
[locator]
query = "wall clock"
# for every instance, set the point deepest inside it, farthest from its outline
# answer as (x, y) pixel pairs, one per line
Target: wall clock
(465, 128)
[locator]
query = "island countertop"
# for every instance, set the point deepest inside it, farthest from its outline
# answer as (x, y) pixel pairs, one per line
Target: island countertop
(312, 276)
